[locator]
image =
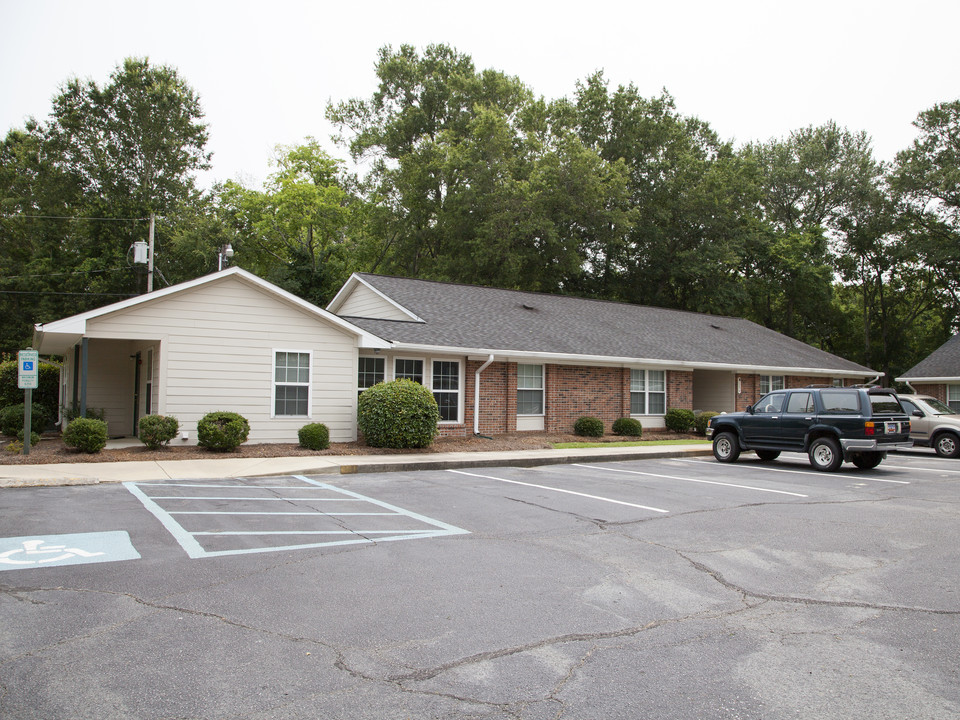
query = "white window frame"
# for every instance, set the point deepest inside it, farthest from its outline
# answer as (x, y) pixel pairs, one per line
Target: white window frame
(540, 388)
(382, 360)
(640, 386)
(769, 383)
(953, 397)
(459, 390)
(274, 384)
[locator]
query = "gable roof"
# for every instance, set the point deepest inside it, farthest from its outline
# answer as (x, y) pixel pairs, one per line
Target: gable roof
(58, 336)
(481, 320)
(942, 364)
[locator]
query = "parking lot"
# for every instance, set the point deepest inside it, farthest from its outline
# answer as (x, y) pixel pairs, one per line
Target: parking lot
(673, 588)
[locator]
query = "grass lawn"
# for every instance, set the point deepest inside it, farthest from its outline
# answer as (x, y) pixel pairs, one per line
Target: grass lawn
(626, 443)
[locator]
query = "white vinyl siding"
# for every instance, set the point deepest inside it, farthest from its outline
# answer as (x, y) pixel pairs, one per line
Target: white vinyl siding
(215, 348)
(364, 302)
(648, 392)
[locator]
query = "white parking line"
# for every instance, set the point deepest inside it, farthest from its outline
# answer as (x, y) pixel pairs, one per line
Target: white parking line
(816, 473)
(189, 539)
(694, 480)
(559, 490)
(920, 469)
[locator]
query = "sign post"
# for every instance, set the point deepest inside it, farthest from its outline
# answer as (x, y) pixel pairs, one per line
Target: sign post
(28, 378)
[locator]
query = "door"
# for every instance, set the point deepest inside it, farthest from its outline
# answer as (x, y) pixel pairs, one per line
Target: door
(798, 416)
(763, 426)
(919, 420)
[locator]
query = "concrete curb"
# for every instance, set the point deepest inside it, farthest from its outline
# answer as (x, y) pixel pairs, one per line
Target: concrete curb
(16, 476)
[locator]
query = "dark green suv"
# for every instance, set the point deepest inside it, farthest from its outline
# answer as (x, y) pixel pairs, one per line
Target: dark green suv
(831, 425)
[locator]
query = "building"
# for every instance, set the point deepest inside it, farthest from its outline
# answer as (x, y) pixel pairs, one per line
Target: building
(938, 374)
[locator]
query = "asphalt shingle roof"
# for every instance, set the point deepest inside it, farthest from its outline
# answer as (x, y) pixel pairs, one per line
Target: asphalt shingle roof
(482, 318)
(944, 362)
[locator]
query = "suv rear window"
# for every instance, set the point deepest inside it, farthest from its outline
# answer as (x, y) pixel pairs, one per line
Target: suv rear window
(840, 401)
(885, 404)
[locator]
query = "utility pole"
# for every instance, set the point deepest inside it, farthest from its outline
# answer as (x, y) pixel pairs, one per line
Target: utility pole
(153, 218)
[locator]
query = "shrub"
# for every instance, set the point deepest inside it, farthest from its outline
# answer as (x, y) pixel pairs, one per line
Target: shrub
(222, 431)
(700, 423)
(96, 413)
(46, 394)
(314, 436)
(588, 426)
(627, 426)
(86, 434)
(11, 419)
(34, 438)
(398, 414)
(157, 430)
(679, 419)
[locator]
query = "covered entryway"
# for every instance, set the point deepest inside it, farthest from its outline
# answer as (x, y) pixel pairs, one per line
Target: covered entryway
(714, 390)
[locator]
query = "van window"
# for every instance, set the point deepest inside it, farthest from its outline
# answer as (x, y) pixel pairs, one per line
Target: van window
(840, 402)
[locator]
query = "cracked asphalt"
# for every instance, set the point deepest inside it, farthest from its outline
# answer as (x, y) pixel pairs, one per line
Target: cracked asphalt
(645, 589)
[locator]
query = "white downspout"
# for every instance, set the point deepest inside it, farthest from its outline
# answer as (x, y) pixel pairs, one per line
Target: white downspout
(476, 395)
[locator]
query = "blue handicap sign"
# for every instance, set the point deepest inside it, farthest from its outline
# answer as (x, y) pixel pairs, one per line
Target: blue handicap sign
(37, 551)
(28, 366)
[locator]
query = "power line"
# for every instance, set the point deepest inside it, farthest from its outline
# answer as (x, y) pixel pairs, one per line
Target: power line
(69, 217)
(44, 292)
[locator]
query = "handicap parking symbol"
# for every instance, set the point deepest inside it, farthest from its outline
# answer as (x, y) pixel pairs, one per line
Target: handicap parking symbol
(37, 551)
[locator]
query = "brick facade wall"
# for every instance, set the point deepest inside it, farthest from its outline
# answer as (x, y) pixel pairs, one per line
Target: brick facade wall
(937, 390)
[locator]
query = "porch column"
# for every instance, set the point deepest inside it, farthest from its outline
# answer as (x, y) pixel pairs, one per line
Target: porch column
(83, 376)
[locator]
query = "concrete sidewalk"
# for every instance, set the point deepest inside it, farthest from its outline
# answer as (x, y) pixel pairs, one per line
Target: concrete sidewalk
(93, 473)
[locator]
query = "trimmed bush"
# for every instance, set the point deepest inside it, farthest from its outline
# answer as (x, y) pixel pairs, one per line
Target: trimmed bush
(700, 422)
(398, 414)
(222, 431)
(34, 438)
(11, 419)
(588, 426)
(679, 419)
(157, 430)
(314, 436)
(627, 426)
(86, 434)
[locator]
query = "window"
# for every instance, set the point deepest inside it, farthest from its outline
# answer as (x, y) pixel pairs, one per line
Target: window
(529, 389)
(446, 389)
(953, 397)
(648, 392)
(840, 401)
(772, 403)
(370, 371)
(800, 403)
(769, 383)
(291, 383)
(409, 370)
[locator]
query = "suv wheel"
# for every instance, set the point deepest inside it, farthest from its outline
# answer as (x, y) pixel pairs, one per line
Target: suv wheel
(726, 448)
(947, 445)
(825, 455)
(867, 461)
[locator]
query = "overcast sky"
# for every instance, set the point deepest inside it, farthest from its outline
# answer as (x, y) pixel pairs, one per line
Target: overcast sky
(266, 70)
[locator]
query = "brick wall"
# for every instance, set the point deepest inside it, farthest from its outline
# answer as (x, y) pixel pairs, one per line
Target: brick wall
(575, 391)
(937, 390)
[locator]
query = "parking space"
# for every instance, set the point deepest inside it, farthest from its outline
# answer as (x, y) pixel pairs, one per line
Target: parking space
(673, 588)
(243, 516)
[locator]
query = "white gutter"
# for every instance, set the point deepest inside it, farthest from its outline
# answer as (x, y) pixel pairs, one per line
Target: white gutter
(476, 395)
(616, 361)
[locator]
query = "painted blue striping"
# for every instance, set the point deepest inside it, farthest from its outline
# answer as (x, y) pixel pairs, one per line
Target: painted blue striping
(39, 551)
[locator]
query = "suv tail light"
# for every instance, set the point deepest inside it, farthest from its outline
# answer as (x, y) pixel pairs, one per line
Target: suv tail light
(868, 428)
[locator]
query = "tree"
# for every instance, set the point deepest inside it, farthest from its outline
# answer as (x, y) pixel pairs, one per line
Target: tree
(77, 190)
(299, 230)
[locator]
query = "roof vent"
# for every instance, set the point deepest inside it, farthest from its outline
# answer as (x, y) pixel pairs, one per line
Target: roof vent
(715, 327)
(528, 307)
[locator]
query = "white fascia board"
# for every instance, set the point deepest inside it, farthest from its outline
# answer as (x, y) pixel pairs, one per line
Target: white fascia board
(606, 360)
(953, 379)
(334, 305)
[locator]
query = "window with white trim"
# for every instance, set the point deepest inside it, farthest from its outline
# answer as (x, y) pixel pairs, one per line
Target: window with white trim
(408, 370)
(529, 389)
(769, 383)
(648, 392)
(291, 383)
(370, 371)
(445, 379)
(953, 397)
